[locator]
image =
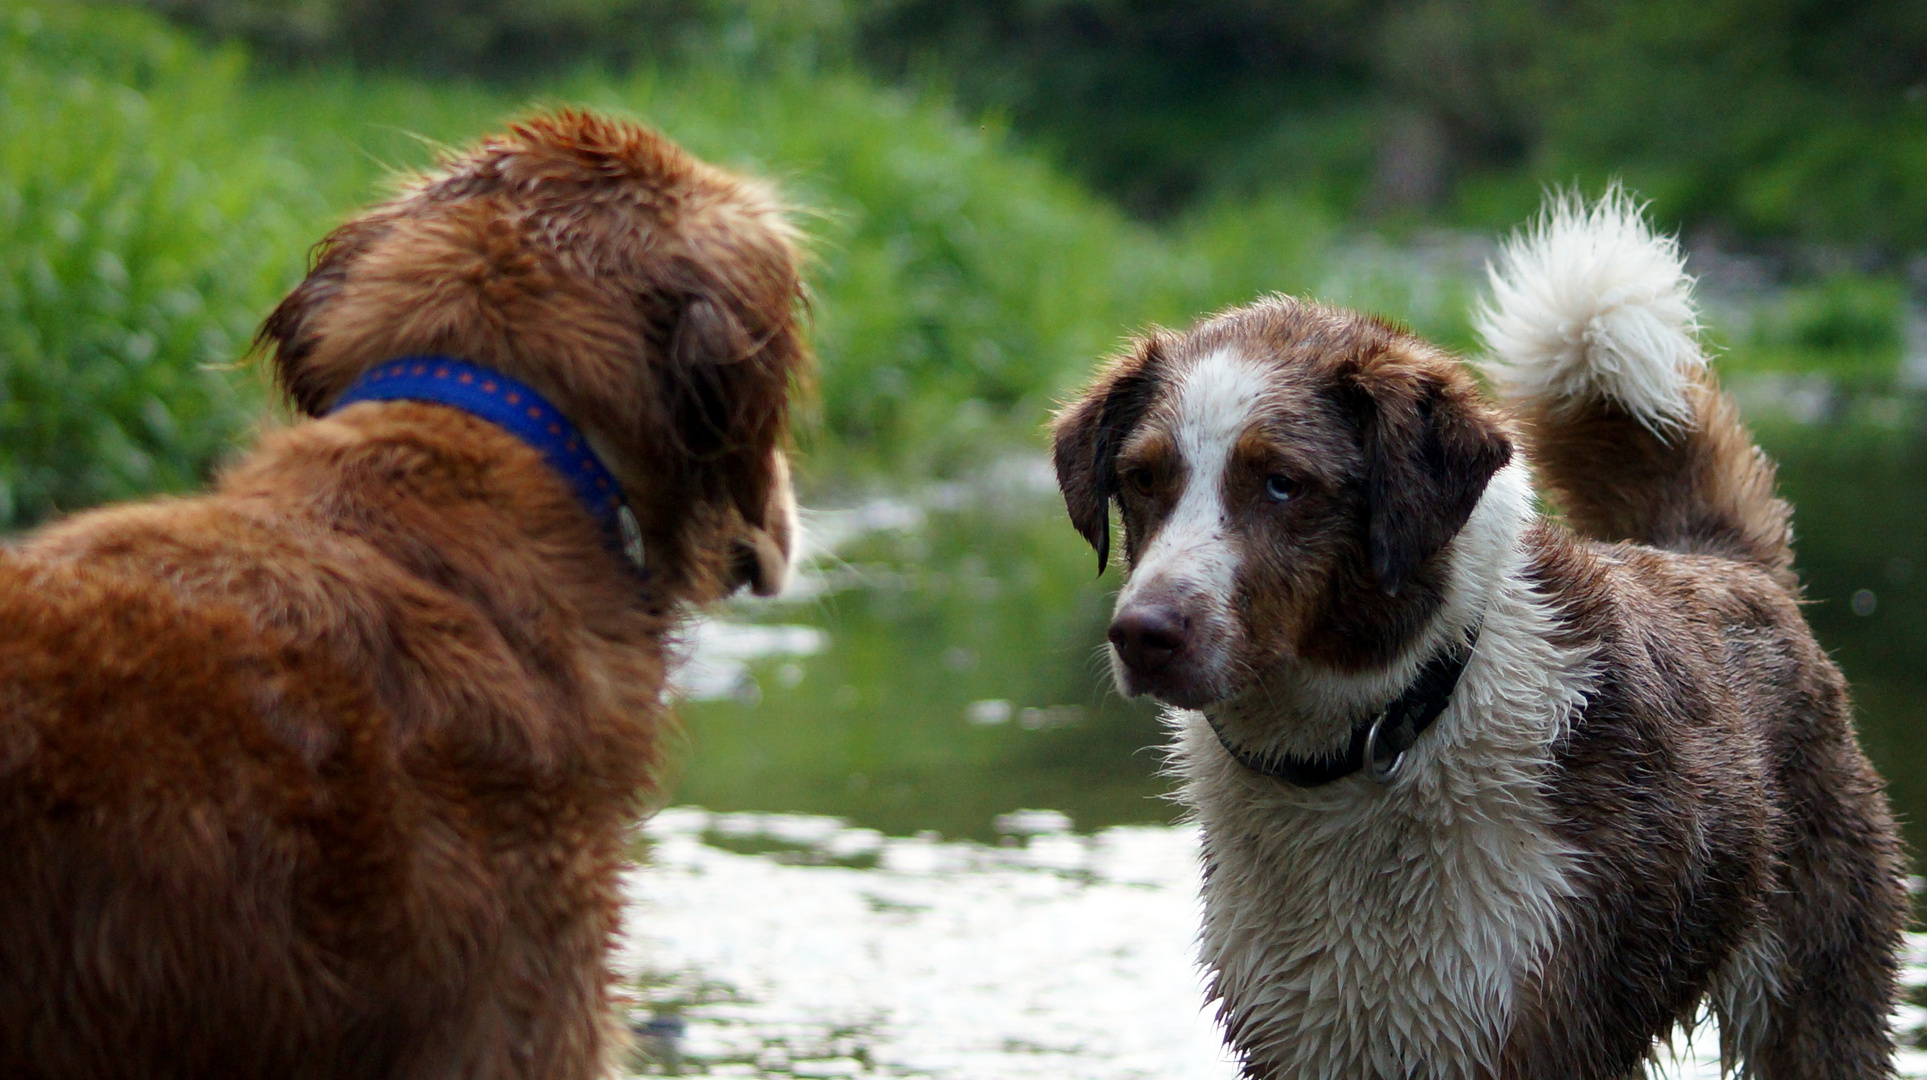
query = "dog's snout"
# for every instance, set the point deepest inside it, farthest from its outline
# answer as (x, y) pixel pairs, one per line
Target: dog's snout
(1148, 636)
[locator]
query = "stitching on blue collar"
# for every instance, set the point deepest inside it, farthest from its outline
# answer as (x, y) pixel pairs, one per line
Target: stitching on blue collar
(507, 403)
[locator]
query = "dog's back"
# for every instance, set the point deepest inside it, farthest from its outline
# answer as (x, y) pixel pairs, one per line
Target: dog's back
(1688, 577)
(152, 829)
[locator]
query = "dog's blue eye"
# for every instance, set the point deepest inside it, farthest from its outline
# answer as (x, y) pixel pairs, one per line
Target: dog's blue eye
(1279, 488)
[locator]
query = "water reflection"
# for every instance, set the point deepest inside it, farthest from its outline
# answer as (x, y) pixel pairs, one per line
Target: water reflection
(959, 679)
(1859, 491)
(1055, 955)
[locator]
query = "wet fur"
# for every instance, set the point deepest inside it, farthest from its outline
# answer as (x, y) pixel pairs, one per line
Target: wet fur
(329, 772)
(1646, 794)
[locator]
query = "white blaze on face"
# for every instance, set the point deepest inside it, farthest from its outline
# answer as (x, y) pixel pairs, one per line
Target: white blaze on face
(1192, 559)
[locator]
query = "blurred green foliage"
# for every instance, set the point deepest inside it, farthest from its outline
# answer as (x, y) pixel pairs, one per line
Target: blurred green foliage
(157, 193)
(157, 196)
(1802, 119)
(1848, 326)
(510, 40)
(138, 237)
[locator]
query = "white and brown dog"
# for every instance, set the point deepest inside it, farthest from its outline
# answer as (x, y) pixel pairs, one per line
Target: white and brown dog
(1485, 794)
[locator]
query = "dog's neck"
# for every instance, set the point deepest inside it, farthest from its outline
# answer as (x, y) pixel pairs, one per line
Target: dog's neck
(519, 409)
(1305, 710)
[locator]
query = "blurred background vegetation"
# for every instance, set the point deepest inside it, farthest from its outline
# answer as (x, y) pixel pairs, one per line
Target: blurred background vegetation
(1801, 120)
(1001, 190)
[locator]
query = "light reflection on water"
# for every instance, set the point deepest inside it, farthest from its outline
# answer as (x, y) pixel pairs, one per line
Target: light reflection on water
(794, 945)
(934, 668)
(1059, 956)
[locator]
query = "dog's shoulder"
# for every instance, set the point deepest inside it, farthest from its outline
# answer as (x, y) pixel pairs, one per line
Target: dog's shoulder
(1701, 667)
(122, 693)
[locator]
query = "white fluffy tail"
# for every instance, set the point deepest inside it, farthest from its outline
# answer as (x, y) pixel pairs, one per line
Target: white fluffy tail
(1593, 336)
(1588, 302)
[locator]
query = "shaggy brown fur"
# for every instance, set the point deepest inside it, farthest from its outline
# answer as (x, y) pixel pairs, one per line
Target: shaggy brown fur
(1765, 814)
(329, 773)
(1301, 491)
(1711, 493)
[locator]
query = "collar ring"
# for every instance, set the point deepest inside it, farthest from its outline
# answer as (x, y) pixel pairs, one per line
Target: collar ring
(631, 532)
(1386, 770)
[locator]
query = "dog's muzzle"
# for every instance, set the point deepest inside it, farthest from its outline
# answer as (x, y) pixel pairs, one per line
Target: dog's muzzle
(1149, 637)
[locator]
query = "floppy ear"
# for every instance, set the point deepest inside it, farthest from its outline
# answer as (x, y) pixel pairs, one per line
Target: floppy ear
(709, 364)
(1431, 445)
(726, 393)
(707, 333)
(1086, 435)
(289, 332)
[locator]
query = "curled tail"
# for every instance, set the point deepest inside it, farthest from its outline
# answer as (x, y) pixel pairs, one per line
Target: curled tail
(1593, 336)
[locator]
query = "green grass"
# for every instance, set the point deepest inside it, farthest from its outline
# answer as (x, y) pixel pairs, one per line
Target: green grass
(156, 198)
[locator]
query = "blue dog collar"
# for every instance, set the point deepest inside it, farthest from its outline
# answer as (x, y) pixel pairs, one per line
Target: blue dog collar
(512, 404)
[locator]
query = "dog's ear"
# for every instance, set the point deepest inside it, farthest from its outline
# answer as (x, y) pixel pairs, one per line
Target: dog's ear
(289, 333)
(727, 391)
(1086, 436)
(1431, 444)
(707, 333)
(705, 360)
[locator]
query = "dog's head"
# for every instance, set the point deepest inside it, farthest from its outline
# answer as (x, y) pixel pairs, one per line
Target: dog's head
(1288, 476)
(653, 298)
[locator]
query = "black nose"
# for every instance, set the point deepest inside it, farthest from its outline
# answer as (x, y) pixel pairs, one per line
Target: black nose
(1147, 636)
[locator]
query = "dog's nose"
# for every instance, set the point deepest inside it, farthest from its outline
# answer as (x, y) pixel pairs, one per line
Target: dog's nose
(1147, 636)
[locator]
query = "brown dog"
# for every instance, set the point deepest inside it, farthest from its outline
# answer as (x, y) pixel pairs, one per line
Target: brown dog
(329, 773)
(1482, 798)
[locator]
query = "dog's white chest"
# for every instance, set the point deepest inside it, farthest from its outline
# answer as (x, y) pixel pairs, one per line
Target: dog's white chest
(1372, 942)
(1360, 930)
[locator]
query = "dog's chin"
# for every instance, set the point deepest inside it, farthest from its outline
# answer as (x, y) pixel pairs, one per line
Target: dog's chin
(1181, 686)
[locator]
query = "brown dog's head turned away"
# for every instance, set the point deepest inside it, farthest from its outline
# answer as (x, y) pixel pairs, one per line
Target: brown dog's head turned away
(651, 297)
(1286, 475)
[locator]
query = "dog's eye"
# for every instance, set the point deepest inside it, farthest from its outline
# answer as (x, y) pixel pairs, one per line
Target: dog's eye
(1141, 480)
(1279, 487)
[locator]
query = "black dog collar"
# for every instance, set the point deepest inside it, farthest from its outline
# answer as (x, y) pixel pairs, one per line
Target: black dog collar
(513, 405)
(1379, 744)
